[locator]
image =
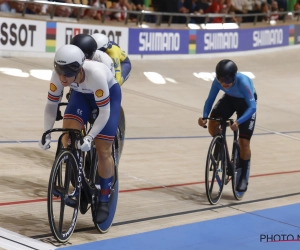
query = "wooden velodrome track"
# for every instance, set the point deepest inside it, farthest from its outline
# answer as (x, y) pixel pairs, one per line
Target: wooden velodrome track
(163, 162)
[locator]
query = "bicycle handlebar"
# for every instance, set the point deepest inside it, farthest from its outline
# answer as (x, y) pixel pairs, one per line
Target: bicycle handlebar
(221, 120)
(63, 104)
(76, 131)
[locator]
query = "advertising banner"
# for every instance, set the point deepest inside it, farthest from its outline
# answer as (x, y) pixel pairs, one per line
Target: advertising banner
(161, 41)
(22, 35)
(212, 41)
(297, 34)
(65, 32)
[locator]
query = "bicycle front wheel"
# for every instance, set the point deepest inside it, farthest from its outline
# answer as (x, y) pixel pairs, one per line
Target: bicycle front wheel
(215, 170)
(63, 196)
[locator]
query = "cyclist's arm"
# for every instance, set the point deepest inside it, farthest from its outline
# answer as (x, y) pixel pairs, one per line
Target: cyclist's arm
(101, 79)
(214, 90)
(54, 97)
(126, 68)
(101, 56)
(250, 100)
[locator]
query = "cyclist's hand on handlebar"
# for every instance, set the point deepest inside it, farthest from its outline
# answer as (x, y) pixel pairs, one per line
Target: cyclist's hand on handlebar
(47, 143)
(86, 145)
(234, 126)
(202, 122)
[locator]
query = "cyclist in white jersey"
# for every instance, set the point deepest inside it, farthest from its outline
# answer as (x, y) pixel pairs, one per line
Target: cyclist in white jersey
(94, 86)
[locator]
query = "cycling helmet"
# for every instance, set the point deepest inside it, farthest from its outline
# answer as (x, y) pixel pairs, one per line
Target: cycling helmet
(86, 43)
(226, 71)
(68, 60)
(102, 41)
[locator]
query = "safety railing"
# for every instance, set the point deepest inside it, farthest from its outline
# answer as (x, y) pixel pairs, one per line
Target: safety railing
(159, 16)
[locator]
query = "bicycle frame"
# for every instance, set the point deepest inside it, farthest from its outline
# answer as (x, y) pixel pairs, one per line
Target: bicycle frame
(224, 142)
(224, 124)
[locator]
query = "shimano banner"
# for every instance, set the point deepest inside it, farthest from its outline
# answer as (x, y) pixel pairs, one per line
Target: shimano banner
(151, 41)
(211, 41)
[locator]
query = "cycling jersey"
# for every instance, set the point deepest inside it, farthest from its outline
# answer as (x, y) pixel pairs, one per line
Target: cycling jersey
(101, 56)
(242, 88)
(118, 56)
(97, 80)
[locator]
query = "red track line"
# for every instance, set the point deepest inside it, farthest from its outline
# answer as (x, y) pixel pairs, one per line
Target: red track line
(147, 188)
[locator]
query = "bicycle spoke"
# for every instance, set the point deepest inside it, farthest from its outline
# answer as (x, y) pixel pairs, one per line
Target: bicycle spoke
(212, 182)
(67, 177)
(219, 180)
(61, 215)
(213, 160)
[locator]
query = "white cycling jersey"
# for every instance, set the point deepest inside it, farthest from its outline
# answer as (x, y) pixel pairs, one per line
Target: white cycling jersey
(101, 56)
(97, 80)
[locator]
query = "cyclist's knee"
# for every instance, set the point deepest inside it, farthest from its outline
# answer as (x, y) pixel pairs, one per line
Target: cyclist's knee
(103, 149)
(104, 155)
(244, 144)
(213, 128)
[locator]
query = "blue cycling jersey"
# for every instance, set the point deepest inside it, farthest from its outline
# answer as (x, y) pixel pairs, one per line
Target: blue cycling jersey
(242, 88)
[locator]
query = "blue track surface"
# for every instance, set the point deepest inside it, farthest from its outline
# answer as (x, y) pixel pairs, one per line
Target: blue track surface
(235, 232)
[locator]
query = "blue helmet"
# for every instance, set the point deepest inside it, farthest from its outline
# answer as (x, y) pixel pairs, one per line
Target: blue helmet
(226, 71)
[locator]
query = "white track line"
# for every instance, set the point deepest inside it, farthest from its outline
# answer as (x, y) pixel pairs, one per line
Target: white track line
(278, 133)
(13, 241)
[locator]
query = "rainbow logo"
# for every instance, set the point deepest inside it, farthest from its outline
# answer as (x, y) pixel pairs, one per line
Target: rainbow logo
(192, 41)
(292, 36)
(51, 37)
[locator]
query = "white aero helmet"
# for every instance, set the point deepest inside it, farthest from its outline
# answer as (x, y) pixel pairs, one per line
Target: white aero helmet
(102, 41)
(68, 60)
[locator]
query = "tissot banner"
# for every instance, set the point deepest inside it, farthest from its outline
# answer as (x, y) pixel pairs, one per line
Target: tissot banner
(22, 35)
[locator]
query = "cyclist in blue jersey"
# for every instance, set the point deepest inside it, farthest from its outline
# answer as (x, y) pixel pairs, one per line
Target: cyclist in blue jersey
(240, 97)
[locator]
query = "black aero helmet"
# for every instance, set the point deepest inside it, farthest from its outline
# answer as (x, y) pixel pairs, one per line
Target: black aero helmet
(68, 60)
(86, 43)
(226, 71)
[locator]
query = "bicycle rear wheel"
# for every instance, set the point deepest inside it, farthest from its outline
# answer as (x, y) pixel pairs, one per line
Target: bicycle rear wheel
(215, 170)
(237, 173)
(113, 198)
(121, 132)
(63, 197)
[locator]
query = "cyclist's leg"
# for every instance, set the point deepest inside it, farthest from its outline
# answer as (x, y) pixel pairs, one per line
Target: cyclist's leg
(222, 109)
(245, 133)
(77, 112)
(126, 68)
(103, 144)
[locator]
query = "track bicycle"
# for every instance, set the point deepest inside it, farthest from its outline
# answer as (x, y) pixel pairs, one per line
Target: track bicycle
(72, 181)
(220, 168)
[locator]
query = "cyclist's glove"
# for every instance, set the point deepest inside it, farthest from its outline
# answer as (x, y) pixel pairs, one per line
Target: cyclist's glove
(86, 145)
(47, 143)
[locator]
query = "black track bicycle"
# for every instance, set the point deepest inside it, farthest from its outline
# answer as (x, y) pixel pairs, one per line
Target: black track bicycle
(71, 187)
(220, 168)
